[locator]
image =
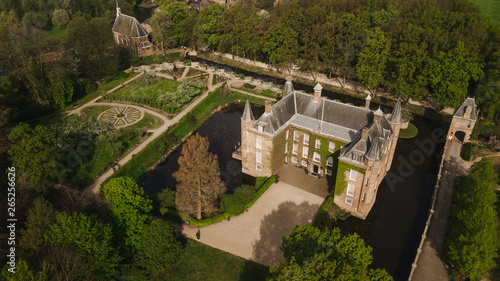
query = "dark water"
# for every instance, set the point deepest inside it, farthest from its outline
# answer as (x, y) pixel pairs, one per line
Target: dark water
(395, 224)
(142, 14)
(223, 132)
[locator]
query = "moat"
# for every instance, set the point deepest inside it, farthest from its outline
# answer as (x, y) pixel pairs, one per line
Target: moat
(394, 225)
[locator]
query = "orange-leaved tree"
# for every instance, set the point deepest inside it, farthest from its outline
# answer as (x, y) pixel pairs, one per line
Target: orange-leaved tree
(199, 185)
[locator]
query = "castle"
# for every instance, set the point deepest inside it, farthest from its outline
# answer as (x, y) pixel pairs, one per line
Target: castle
(326, 138)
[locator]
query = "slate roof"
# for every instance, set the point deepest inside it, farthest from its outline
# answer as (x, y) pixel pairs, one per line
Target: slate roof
(128, 26)
(459, 112)
(396, 113)
(327, 117)
(247, 113)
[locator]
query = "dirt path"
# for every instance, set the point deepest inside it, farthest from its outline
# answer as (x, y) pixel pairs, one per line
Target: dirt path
(256, 235)
(430, 264)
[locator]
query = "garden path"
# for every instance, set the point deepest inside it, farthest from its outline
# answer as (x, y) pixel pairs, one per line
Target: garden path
(256, 234)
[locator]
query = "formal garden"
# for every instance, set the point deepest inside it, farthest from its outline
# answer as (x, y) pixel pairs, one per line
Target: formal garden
(166, 95)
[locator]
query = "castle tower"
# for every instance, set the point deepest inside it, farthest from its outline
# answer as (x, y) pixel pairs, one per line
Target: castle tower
(463, 120)
(367, 101)
(317, 92)
(247, 121)
(395, 122)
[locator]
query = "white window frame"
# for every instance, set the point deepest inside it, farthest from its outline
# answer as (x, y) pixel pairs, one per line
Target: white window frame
(353, 175)
(348, 201)
(258, 157)
(258, 143)
(350, 189)
(305, 152)
(328, 163)
(306, 139)
(286, 136)
(295, 148)
(286, 148)
(317, 145)
(304, 163)
(331, 146)
(294, 160)
(260, 128)
(258, 167)
(318, 158)
(295, 136)
(328, 172)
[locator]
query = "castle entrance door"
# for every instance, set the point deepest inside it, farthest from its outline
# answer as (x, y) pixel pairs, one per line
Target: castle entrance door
(315, 169)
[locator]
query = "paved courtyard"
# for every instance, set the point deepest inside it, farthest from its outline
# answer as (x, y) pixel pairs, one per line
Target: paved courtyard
(256, 234)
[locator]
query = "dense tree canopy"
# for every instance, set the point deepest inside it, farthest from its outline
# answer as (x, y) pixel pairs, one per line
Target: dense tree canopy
(130, 209)
(473, 243)
(314, 254)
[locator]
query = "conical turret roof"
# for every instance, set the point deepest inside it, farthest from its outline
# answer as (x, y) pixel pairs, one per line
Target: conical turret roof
(396, 113)
(247, 113)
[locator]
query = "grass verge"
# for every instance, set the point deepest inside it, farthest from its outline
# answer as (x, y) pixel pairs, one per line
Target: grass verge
(94, 111)
(148, 122)
(323, 211)
(202, 262)
(409, 132)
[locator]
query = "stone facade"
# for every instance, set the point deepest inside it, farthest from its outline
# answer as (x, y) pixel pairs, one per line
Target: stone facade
(327, 138)
(463, 120)
(129, 33)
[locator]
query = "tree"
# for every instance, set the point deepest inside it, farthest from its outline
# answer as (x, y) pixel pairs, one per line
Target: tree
(372, 61)
(33, 154)
(38, 220)
(60, 18)
(282, 46)
(208, 26)
(314, 254)
(450, 73)
(160, 248)
(473, 243)
(88, 237)
(161, 24)
(199, 185)
(24, 273)
(488, 92)
(130, 208)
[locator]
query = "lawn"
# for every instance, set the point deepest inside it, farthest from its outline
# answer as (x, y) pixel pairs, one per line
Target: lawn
(167, 95)
(148, 122)
(490, 8)
(170, 57)
(204, 263)
(94, 111)
(117, 80)
(409, 132)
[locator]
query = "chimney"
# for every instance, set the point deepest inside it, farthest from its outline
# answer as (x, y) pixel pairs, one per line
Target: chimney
(468, 110)
(367, 101)
(268, 106)
(317, 92)
(364, 133)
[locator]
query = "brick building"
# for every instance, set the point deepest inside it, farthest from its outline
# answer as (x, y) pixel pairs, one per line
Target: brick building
(129, 33)
(327, 138)
(463, 120)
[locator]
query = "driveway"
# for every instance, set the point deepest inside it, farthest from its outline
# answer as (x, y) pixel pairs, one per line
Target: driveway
(256, 235)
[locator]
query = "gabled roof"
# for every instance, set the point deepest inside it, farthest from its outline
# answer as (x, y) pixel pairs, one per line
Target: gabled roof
(247, 113)
(459, 112)
(128, 26)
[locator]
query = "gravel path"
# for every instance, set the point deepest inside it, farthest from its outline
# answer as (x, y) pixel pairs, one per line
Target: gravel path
(256, 234)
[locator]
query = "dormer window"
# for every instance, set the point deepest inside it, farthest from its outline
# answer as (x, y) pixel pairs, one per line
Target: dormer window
(261, 126)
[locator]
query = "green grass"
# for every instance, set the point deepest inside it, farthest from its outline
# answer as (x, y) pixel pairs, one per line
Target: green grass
(204, 263)
(117, 80)
(157, 150)
(489, 8)
(409, 132)
(170, 57)
(148, 122)
(94, 111)
(56, 32)
(323, 211)
(467, 151)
